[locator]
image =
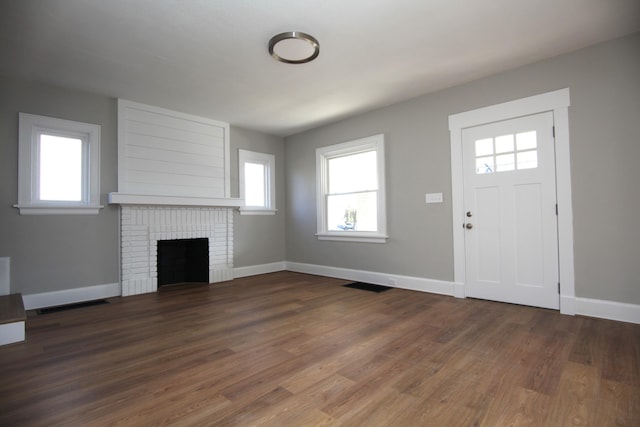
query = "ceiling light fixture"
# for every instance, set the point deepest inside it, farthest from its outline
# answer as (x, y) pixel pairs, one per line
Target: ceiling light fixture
(294, 47)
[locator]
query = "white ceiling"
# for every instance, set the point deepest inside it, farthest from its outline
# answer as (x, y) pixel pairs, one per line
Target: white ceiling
(209, 57)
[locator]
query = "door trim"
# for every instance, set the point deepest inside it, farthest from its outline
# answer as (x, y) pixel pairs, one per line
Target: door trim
(557, 102)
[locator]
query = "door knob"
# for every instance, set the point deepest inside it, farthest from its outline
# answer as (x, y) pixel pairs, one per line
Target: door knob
(468, 226)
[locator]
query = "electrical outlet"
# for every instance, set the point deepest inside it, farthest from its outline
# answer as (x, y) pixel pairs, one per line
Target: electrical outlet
(433, 198)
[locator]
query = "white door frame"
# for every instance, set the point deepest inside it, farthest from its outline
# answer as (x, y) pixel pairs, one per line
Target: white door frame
(558, 102)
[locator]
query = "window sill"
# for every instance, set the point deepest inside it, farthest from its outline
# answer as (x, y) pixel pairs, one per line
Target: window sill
(256, 211)
(58, 210)
(347, 236)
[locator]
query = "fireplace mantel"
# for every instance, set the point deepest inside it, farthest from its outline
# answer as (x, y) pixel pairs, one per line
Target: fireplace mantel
(160, 200)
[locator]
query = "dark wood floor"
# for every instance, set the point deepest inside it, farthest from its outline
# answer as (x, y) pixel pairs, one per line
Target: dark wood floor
(288, 349)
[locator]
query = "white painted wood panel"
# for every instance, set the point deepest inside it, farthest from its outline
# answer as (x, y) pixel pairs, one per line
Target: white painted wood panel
(166, 178)
(194, 159)
(529, 242)
(163, 152)
(138, 131)
(173, 190)
(487, 247)
(162, 118)
(205, 145)
(511, 225)
(172, 168)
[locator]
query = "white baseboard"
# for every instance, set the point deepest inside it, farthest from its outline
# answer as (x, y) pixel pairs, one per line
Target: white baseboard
(12, 332)
(220, 275)
(254, 270)
(568, 305)
(583, 306)
(70, 296)
(394, 280)
(608, 310)
(459, 290)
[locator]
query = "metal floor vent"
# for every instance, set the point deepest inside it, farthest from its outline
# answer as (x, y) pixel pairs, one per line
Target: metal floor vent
(66, 307)
(367, 287)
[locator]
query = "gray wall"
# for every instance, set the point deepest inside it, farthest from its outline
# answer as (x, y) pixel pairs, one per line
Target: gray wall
(258, 239)
(58, 252)
(51, 253)
(55, 252)
(605, 152)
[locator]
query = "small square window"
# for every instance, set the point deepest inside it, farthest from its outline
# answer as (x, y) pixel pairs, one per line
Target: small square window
(484, 165)
(484, 147)
(505, 162)
(527, 159)
(527, 140)
(59, 166)
(504, 144)
(257, 182)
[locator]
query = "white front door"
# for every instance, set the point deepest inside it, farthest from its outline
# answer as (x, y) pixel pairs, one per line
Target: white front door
(511, 232)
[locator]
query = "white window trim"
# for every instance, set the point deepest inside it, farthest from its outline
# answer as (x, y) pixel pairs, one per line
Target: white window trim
(323, 154)
(30, 126)
(269, 162)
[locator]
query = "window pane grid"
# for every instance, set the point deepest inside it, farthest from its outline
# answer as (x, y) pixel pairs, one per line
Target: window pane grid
(506, 153)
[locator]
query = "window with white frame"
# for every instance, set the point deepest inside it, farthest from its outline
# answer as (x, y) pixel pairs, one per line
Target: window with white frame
(257, 182)
(351, 191)
(58, 166)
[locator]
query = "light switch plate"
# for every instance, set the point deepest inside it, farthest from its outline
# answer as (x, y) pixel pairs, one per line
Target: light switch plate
(433, 198)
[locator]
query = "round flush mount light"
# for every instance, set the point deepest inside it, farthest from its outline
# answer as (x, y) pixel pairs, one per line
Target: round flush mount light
(294, 47)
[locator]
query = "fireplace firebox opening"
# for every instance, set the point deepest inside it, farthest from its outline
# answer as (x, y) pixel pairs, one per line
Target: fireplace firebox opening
(183, 261)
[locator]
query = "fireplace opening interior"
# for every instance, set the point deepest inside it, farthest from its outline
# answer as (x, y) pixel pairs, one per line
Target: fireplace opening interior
(183, 261)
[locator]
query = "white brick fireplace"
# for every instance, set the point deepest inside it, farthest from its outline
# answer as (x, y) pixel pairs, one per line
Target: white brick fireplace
(173, 183)
(142, 226)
